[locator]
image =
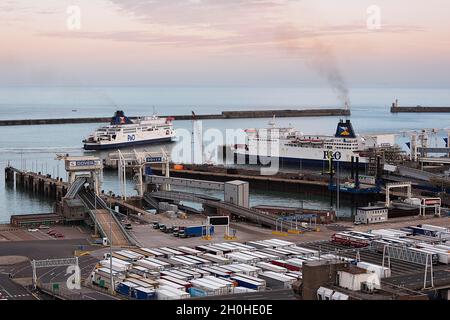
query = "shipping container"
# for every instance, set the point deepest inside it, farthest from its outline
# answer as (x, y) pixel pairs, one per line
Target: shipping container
(209, 250)
(241, 257)
(195, 274)
(166, 282)
(216, 258)
(149, 264)
(443, 254)
(190, 251)
(217, 272)
(162, 294)
(246, 282)
(176, 274)
(115, 266)
(132, 254)
(202, 272)
(173, 251)
(266, 266)
(182, 294)
(160, 261)
(243, 246)
(197, 292)
(181, 262)
(305, 251)
(145, 253)
(258, 245)
(125, 288)
(153, 252)
(142, 293)
(210, 290)
(202, 261)
(276, 280)
(141, 271)
(275, 252)
(236, 290)
(139, 282)
(221, 288)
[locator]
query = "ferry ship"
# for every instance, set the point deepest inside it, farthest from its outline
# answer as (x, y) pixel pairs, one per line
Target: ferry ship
(123, 132)
(291, 146)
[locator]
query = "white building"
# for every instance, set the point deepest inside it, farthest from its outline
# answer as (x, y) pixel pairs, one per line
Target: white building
(354, 277)
(368, 215)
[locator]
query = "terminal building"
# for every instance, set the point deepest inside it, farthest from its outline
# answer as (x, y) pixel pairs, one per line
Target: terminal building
(372, 214)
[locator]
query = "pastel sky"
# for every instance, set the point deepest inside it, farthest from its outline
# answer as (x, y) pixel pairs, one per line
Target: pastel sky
(225, 43)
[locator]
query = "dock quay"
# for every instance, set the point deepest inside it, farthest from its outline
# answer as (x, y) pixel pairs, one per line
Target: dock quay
(223, 115)
(36, 182)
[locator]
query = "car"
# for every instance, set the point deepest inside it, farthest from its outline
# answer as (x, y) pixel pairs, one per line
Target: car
(51, 232)
(128, 226)
(168, 230)
(33, 230)
(58, 235)
(155, 225)
(162, 227)
(43, 226)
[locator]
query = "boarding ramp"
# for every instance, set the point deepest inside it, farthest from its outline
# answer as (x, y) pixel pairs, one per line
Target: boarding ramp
(248, 213)
(105, 219)
(416, 173)
(75, 188)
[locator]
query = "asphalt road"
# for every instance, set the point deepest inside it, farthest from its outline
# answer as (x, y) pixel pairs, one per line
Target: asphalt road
(43, 249)
(415, 281)
(13, 291)
(285, 294)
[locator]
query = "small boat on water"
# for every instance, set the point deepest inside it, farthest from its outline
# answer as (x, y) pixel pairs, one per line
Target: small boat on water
(124, 132)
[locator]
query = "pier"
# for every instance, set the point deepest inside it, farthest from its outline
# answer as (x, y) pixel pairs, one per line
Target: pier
(419, 109)
(223, 115)
(395, 108)
(38, 183)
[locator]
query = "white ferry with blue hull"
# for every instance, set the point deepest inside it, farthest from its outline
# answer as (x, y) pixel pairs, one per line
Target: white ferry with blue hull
(124, 132)
(293, 147)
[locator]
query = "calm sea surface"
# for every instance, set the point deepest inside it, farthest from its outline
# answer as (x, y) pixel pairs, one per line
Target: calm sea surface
(35, 147)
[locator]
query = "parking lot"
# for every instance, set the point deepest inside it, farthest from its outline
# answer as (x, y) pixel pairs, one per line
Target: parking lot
(8, 233)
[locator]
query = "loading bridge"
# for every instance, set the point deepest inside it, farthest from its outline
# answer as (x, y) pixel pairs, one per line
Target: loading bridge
(104, 218)
(248, 213)
(75, 187)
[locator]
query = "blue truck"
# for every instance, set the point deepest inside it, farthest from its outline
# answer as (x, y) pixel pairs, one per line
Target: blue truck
(195, 231)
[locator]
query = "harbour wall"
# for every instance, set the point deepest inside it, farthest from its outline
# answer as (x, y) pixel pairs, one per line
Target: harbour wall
(419, 109)
(223, 115)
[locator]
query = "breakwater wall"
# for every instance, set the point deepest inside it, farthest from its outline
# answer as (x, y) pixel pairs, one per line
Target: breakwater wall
(418, 109)
(223, 115)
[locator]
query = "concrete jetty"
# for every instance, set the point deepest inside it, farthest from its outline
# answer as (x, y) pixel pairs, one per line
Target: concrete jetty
(223, 115)
(418, 109)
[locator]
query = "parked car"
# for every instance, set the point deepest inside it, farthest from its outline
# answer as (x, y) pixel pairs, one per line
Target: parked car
(155, 225)
(43, 226)
(58, 235)
(51, 232)
(33, 230)
(168, 230)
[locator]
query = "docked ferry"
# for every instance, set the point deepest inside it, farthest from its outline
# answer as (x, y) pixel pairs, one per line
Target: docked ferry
(292, 146)
(124, 132)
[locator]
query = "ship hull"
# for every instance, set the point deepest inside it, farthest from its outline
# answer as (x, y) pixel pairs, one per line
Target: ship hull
(97, 146)
(303, 162)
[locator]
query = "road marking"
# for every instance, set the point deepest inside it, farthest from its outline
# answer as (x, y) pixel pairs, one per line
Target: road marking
(6, 291)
